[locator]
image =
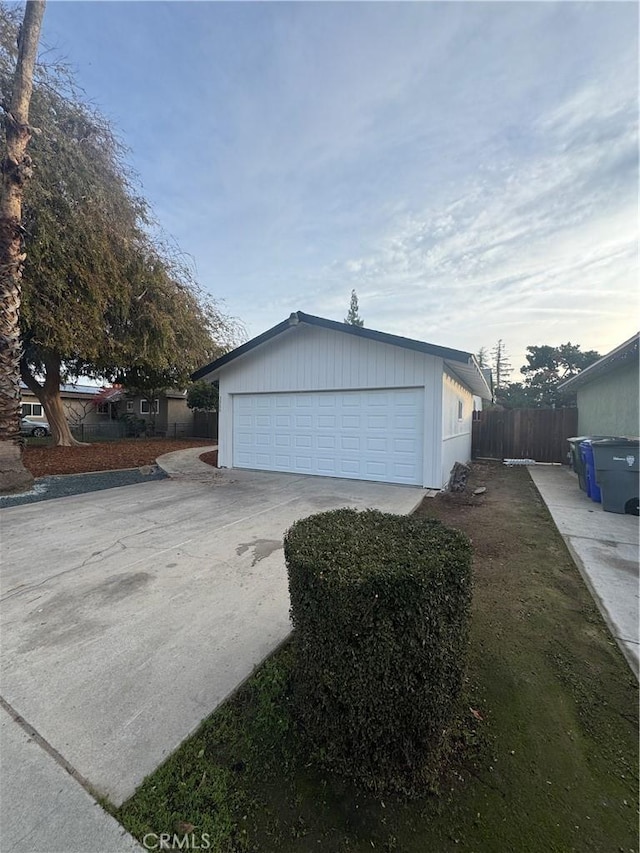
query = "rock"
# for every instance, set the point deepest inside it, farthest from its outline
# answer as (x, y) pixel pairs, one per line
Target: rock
(458, 478)
(480, 491)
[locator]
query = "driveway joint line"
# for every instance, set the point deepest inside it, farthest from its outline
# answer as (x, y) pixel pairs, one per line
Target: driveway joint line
(597, 539)
(42, 742)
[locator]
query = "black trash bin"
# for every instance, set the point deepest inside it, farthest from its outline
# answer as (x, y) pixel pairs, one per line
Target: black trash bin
(617, 473)
(577, 463)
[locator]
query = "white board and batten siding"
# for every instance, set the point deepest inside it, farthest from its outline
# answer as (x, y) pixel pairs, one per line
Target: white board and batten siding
(457, 419)
(359, 397)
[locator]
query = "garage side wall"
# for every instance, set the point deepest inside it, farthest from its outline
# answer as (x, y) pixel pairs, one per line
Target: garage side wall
(316, 359)
(457, 417)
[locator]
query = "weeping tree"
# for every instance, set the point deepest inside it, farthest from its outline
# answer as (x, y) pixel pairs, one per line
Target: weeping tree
(103, 295)
(15, 94)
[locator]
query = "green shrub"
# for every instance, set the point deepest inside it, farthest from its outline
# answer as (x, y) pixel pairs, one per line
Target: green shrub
(380, 606)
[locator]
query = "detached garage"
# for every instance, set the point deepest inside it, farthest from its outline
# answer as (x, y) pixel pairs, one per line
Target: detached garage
(313, 396)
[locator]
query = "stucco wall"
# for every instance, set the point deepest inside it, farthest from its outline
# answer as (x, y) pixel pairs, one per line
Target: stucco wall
(609, 404)
(77, 411)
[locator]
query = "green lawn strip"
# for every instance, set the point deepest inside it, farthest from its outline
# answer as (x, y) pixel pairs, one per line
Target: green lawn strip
(552, 766)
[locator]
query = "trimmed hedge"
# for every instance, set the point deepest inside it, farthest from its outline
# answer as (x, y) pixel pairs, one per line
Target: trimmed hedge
(380, 605)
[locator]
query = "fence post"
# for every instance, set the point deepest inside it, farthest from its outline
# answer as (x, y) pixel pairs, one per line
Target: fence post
(81, 432)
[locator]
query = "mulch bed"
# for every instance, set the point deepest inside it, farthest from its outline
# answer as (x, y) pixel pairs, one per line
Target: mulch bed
(211, 458)
(103, 456)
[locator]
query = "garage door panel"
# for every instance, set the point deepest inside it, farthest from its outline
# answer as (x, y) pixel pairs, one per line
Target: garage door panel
(326, 442)
(326, 422)
(302, 441)
(371, 435)
(377, 422)
(402, 422)
(350, 422)
(350, 442)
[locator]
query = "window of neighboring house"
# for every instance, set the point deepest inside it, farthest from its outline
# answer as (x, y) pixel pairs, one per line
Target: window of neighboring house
(102, 408)
(460, 410)
(33, 410)
(145, 408)
(129, 405)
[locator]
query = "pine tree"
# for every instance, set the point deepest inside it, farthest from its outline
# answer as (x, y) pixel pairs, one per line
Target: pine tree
(482, 357)
(353, 317)
(502, 369)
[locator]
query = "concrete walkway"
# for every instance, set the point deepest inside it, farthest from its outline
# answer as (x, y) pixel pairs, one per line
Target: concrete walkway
(604, 546)
(43, 809)
(127, 616)
(187, 465)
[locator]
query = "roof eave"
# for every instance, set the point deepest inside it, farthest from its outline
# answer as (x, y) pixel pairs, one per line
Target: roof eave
(621, 354)
(211, 371)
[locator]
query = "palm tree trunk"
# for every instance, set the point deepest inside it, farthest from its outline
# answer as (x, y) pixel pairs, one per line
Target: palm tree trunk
(16, 170)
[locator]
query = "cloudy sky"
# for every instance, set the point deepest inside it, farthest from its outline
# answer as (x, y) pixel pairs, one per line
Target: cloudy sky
(471, 169)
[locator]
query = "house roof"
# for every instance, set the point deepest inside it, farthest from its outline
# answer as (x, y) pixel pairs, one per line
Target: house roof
(119, 392)
(462, 364)
(626, 353)
(70, 388)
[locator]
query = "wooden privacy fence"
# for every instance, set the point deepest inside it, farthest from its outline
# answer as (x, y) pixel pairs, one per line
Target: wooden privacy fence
(205, 425)
(539, 434)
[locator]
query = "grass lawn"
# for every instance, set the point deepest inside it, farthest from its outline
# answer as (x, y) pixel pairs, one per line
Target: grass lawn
(550, 766)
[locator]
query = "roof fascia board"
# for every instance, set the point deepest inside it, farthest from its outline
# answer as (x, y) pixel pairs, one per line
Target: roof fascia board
(358, 331)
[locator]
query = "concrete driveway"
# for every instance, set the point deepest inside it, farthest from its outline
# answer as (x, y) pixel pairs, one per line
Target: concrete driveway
(128, 615)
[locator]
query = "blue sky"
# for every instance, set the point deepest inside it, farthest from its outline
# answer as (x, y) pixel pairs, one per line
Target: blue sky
(471, 169)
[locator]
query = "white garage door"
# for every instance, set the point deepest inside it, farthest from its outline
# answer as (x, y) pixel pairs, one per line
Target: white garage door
(363, 435)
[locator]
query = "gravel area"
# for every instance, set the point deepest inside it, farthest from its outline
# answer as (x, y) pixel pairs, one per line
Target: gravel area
(61, 486)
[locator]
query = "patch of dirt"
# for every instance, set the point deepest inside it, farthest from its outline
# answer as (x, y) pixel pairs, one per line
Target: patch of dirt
(103, 456)
(210, 458)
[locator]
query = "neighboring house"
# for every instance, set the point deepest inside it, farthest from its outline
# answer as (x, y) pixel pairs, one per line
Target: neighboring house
(313, 396)
(87, 405)
(607, 393)
(169, 408)
(78, 401)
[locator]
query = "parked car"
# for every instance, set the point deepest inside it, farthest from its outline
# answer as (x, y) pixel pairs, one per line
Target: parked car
(38, 429)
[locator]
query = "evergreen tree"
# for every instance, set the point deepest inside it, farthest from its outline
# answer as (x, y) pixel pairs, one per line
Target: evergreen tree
(353, 317)
(482, 357)
(502, 369)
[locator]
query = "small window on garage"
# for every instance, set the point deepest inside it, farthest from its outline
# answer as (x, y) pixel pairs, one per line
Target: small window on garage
(460, 410)
(102, 408)
(129, 405)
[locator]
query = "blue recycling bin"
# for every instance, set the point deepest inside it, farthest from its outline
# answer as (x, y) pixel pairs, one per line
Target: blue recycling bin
(577, 465)
(586, 451)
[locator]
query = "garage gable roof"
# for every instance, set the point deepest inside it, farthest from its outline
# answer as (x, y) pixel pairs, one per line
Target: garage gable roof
(626, 353)
(462, 364)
